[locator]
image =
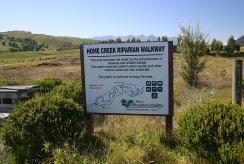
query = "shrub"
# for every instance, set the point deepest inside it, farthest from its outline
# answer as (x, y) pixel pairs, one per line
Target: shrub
(41, 124)
(47, 84)
(193, 46)
(70, 90)
(214, 130)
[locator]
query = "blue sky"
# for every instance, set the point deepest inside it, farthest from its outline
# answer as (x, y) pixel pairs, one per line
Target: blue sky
(89, 18)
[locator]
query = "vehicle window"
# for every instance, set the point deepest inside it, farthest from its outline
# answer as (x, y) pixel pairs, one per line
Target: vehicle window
(7, 101)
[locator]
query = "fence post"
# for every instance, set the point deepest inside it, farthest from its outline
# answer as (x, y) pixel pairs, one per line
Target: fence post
(237, 82)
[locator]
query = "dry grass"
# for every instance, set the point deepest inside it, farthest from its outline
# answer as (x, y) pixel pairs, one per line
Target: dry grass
(28, 72)
(215, 79)
(120, 130)
(242, 49)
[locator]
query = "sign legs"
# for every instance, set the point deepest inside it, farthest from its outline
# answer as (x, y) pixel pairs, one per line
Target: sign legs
(89, 124)
(169, 126)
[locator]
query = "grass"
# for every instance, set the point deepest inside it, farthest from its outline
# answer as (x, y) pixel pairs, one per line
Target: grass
(242, 49)
(125, 139)
(31, 66)
(36, 56)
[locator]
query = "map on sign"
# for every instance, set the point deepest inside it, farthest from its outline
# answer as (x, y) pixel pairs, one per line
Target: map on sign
(118, 90)
(127, 78)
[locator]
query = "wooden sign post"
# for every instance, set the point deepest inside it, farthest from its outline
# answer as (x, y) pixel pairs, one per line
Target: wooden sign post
(88, 116)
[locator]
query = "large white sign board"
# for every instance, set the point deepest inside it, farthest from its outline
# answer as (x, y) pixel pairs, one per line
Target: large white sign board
(127, 78)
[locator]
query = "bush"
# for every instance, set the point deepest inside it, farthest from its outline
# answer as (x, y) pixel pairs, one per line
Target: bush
(214, 130)
(47, 84)
(193, 45)
(70, 90)
(40, 125)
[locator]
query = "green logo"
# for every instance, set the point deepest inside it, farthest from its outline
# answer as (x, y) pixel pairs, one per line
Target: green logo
(126, 103)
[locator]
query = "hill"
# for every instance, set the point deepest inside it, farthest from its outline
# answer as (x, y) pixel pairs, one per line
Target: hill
(56, 42)
(240, 41)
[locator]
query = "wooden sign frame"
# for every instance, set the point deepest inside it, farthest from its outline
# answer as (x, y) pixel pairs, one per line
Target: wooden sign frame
(169, 117)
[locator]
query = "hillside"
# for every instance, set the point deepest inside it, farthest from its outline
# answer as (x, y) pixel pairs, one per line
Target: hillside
(240, 41)
(56, 42)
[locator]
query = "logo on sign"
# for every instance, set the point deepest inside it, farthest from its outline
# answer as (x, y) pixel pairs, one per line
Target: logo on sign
(127, 103)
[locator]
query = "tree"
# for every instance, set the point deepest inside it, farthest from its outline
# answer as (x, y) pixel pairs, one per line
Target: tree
(133, 40)
(193, 45)
(164, 38)
(158, 38)
(216, 46)
(19, 40)
(128, 40)
(3, 43)
(213, 45)
(179, 41)
(118, 40)
(110, 41)
(28, 44)
(232, 46)
(138, 40)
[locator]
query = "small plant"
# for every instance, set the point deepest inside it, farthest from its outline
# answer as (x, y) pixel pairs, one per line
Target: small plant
(215, 131)
(39, 125)
(222, 73)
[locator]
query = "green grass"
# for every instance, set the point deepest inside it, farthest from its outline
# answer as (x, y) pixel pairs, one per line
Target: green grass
(35, 56)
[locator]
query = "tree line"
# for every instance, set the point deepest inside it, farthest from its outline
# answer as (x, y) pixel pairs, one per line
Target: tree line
(232, 47)
(133, 40)
(22, 44)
